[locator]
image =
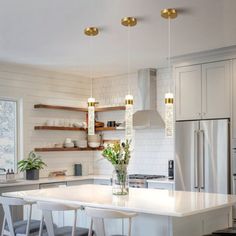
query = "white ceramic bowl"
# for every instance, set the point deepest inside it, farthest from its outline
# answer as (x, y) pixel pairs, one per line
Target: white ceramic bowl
(81, 143)
(69, 145)
(94, 144)
(94, 138)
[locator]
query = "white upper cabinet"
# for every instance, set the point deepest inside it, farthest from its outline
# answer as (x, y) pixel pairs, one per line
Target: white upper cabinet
(234, 101)
(188, 92)
(216, 90)
(203, 91)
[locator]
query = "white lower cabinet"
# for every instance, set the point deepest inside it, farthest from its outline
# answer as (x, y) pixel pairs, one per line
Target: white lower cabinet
(80, 182)
(159, 185)
(103, 181)
(234, 102)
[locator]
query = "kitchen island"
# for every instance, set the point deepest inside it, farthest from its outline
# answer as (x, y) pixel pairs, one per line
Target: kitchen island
(160, 212)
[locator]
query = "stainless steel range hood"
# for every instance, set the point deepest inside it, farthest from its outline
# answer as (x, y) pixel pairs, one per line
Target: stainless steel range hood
(147, 116)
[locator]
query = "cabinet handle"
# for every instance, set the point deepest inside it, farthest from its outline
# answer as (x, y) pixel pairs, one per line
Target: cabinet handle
(199, 113)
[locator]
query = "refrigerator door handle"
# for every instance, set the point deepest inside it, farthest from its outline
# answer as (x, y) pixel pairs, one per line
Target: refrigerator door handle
(202, 159)
(196, 159)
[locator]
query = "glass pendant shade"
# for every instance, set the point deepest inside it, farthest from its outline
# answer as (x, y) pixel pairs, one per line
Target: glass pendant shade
(129, 101)
(169, 114)
(91, 116)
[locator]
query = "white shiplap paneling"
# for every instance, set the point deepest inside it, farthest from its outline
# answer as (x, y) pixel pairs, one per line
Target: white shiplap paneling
(39, 86)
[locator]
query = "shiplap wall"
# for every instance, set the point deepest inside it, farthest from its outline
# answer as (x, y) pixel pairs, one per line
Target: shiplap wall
(34, 86)
(152, 149)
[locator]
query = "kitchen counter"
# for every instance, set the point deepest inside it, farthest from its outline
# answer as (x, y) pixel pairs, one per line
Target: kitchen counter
(162, 212)
(20, 182)
(151, 201)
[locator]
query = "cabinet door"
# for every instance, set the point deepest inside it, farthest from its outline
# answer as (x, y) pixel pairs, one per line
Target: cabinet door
(165, 186)
(216, 90)
(234, 102)
(188, 92)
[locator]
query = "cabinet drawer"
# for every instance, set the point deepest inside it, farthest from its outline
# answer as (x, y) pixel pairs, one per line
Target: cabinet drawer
(167, 186)
(103, 181)
(80, 182)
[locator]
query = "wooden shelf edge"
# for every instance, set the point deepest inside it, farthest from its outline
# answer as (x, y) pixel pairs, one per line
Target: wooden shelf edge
(79, 109)
(54, 107)
(44, 127)
(67, 149)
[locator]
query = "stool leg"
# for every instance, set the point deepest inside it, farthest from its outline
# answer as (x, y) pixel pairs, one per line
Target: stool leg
(3, 225)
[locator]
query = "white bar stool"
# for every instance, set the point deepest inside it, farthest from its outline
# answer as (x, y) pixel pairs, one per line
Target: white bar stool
(47, 209)
(22, 228)
(98, 215)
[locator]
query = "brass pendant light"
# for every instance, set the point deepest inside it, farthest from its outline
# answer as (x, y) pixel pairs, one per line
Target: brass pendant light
(129, 101)
(169, 14)
(91, 31)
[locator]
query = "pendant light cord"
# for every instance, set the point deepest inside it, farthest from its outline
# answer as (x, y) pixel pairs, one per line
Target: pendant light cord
(169, 48)
(128, 59)
(90, 66)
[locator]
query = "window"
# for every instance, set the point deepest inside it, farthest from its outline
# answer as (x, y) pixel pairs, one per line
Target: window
(8, 134)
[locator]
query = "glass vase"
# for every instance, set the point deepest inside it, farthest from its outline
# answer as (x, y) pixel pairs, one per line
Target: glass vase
(120, 180)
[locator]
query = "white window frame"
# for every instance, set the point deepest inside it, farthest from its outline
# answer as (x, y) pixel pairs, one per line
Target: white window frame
(19, 130)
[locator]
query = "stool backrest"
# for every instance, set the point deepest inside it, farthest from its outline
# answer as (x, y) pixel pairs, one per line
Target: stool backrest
(7, 203)
(47, 209)
(98, 215)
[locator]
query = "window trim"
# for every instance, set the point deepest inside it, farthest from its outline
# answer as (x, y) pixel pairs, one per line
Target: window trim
(19, 129)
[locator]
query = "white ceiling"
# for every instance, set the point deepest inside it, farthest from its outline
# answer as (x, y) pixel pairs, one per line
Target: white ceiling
(49, 33)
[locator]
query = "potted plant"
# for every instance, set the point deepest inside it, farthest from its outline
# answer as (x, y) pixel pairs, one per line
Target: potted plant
(119, 155)
(31, 165)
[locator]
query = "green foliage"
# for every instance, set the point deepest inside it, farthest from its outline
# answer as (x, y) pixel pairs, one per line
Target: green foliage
(33, 162)
(118, 154)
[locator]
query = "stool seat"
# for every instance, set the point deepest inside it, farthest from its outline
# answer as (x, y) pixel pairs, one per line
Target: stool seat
(20, 226)
(225, 232)
(67, 230)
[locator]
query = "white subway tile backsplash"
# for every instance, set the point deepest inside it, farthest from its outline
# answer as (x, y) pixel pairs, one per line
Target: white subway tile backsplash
(152, 149)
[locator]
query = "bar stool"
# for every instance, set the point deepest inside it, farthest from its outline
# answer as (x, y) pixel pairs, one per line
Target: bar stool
(99, 215)
(23, 227)
(52, 230)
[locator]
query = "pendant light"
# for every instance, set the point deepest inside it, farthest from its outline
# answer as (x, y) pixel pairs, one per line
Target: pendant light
(91, 32)
(129, 101)
(169, 14)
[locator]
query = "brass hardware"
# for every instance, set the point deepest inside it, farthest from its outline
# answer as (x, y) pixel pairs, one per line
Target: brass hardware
(91, 104)
(129, 102)
(129, 21)
(91, 31)
(169, 100)
(169, 13)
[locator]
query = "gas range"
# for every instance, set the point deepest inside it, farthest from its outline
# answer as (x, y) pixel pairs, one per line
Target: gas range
(140, 181)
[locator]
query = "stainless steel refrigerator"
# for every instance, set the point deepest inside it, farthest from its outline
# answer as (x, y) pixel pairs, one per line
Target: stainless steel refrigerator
(202, 156)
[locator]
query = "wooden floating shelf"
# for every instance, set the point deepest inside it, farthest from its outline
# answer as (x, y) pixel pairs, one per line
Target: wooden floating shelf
(58, 128)
(79, 109)
(74, 128)
(67, 149)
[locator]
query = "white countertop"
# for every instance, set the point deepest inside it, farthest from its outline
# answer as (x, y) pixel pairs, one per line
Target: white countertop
(150, 201)
(20, 182)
